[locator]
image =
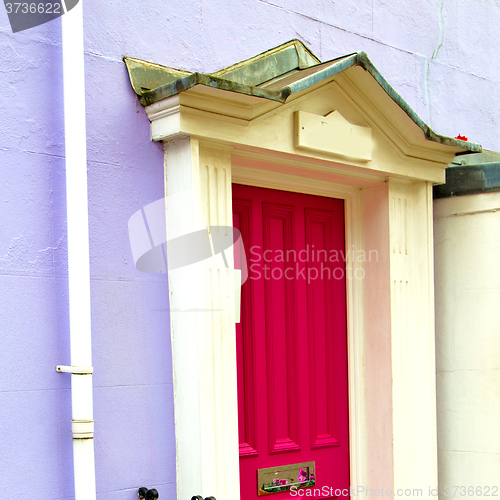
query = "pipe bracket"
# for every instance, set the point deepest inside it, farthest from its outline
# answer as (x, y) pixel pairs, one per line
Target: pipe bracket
(82, 429)
(75, 370)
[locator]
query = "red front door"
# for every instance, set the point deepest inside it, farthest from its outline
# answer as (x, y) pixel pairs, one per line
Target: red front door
(292, 345)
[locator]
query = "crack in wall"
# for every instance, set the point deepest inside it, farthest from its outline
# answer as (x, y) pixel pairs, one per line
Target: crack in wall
(434, 56)
(20, 255)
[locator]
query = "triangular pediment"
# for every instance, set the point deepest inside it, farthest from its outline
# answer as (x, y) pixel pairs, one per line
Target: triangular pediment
(349, 112)
(277, 75)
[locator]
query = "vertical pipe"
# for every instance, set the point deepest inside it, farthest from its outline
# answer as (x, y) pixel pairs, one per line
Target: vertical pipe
(78, 251)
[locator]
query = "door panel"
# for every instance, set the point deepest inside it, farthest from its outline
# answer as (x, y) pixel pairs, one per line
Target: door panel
(247, 398)
(292, 342)
(280, 333)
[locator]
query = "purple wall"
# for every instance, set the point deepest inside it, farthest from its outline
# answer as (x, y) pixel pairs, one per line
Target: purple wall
(456, 91)
(133, 396)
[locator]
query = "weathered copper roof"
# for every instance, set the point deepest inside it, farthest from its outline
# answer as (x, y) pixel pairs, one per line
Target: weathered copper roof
(275, 75)
(471, 174)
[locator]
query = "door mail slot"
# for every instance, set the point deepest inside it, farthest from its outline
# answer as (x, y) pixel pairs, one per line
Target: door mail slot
(284, 477)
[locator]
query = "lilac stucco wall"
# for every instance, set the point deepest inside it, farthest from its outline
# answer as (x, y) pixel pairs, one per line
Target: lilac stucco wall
(133, 396)
(442, 57)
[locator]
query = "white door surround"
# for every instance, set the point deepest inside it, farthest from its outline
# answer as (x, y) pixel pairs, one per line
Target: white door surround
(389, 248)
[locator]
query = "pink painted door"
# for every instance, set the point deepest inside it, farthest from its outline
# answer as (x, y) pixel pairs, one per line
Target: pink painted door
(292, 342)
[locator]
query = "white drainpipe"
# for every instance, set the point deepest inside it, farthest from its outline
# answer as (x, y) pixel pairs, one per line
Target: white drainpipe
(78, 255)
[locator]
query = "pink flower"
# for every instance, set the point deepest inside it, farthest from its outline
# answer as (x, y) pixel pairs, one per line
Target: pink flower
(302, 476)
(283, 481)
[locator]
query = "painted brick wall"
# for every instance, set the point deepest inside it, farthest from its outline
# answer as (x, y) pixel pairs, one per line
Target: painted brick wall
(440, 55)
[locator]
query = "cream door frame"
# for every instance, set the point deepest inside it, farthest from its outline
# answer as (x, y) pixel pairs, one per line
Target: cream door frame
(390, 311)
(354, 295)
(208, 464)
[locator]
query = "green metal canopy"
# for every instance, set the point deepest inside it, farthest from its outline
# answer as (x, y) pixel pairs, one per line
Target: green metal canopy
(274, 75)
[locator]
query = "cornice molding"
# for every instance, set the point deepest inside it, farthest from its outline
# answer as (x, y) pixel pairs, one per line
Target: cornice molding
(249, 123)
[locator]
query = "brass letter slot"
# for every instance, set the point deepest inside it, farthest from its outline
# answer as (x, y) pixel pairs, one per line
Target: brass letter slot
(285, 477)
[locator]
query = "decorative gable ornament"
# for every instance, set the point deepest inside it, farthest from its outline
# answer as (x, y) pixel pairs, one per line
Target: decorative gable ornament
(333, 134)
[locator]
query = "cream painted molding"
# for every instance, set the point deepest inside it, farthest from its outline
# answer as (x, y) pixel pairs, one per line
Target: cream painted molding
(204, 383)
(375, 115)
(390, 311)
(413, 336)
(333, 134)
(165, 118)
(272, 133)
(203, 342)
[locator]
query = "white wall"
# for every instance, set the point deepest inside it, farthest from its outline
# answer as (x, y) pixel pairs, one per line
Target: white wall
(467, 274)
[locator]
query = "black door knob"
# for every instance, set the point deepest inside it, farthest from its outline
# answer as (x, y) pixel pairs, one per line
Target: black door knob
(144, 493)
(152, 494)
